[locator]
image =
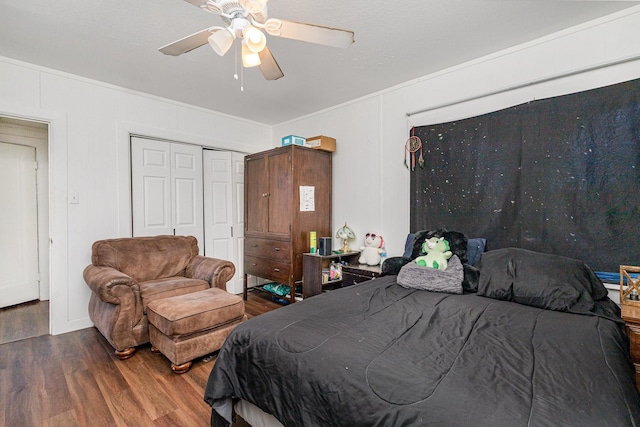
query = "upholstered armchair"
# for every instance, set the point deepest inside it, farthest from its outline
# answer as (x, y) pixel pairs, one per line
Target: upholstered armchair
(126, 274)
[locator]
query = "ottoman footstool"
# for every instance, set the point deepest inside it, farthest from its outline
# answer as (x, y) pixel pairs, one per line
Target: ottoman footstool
(193, 325)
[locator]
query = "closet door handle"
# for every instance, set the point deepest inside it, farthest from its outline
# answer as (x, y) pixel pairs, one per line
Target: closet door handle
(277, 270)
(276, 249)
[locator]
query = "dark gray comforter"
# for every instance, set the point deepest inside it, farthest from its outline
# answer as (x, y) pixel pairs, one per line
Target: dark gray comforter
(378, 354)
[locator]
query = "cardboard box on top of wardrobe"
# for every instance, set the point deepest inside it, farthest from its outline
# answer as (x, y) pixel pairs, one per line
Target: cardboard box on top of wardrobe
(321, 142)
(293, 140)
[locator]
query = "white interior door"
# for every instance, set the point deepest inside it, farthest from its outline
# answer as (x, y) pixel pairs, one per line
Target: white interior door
(18, 225)
(223, 233)
(166, 188)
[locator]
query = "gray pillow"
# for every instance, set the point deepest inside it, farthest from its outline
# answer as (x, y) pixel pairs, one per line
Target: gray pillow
(415, 276)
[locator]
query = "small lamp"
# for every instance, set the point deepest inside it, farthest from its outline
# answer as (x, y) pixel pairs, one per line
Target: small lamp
(346, 234)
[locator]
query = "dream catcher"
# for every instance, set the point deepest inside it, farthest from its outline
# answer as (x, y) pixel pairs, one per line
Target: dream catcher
(411, 148)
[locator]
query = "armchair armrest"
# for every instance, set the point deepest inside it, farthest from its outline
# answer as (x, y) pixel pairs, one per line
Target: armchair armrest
(215, 271)
(105, 282)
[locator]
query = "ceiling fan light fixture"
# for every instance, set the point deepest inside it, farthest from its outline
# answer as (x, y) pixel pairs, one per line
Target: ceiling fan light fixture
(253, 6)
(221, 41)
(249, 58)
(254, 38)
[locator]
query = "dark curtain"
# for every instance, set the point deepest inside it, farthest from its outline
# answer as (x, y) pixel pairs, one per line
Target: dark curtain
(559, 175)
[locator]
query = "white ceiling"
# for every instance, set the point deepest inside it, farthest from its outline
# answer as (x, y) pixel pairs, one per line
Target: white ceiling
(116, 41)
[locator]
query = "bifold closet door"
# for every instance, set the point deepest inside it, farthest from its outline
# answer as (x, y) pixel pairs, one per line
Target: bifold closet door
(224, 210)
(166, 188)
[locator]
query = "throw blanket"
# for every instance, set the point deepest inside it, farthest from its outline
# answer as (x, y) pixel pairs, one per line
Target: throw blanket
(415, 276)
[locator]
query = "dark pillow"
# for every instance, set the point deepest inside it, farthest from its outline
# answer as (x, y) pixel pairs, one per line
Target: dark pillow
(540, 280)
(408, 245)
(475, 248)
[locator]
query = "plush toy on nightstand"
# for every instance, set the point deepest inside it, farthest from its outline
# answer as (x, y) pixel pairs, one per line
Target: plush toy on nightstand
(371, 250)
(437, 252)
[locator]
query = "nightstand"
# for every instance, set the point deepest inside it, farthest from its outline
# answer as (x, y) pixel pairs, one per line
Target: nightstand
(631, 316)
(356, 273)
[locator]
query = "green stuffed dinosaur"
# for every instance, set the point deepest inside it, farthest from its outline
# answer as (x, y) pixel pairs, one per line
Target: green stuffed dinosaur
(437, 252)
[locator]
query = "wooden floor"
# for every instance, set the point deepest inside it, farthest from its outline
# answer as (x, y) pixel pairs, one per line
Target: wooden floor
(21, 321)
(75, 379)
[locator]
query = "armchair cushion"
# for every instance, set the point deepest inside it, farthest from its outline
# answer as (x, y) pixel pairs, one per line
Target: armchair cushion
(146, 258)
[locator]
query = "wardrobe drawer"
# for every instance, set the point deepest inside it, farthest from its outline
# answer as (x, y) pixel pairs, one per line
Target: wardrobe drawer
(278, 271)
(267, 248)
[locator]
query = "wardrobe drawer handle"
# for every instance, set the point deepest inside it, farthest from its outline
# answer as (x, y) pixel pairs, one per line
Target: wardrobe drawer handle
(277, 249)
(277, 270)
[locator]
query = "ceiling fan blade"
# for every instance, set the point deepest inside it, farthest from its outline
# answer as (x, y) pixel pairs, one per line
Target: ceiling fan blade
(196, 2)
(309, 33)
(188, 43)
(268, 65)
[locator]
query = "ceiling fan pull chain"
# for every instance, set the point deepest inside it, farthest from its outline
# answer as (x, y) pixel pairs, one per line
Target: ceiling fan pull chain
(235, 63)
(241, 79)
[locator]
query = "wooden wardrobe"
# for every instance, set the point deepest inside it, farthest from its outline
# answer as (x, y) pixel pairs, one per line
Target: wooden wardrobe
(276, 224)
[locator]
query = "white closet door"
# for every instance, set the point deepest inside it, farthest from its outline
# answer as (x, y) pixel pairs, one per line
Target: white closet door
(237, 166)
(18, 225)
(151, 187)
(166, 188)
(186, 188)
(218, 204)
(224, 210)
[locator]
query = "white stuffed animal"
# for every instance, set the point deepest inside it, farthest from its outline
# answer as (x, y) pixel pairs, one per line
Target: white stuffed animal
(371, 250)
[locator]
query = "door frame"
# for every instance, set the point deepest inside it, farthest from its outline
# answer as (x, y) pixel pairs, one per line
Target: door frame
(57, 240)
(42, 202)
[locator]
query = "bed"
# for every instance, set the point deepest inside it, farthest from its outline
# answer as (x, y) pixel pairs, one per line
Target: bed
(537, 344)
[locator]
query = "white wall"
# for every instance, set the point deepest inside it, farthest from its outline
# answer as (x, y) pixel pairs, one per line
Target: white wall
(370, 182)
(89, 131)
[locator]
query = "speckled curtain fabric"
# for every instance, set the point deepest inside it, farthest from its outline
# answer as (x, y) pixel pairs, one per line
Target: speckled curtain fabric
(560, 175)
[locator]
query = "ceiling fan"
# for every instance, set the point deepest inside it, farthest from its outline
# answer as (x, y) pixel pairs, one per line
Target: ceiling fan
(246, 20)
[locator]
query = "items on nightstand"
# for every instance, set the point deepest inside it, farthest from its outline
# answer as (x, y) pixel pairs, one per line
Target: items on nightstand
(312, 242)
(324, 271)
(346, 234)
(324, 246)
(629, 285)
(630, 312)
(372, 249)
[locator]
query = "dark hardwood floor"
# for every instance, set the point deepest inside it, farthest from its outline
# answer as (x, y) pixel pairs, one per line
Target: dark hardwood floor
(75, 379)
(21, 321)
